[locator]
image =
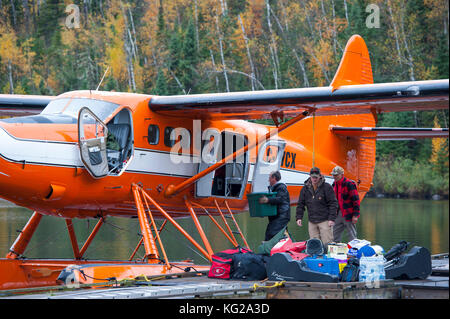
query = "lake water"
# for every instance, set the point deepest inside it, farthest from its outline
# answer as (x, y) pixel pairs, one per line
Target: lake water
(384, 222)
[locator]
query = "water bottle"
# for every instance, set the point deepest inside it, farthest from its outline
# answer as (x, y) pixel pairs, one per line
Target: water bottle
(371, 270)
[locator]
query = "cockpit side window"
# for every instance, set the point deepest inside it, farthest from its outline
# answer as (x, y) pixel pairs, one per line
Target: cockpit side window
(167, 141)
(153, 134)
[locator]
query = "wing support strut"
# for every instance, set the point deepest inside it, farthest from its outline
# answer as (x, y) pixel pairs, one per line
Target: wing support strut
(172, 190)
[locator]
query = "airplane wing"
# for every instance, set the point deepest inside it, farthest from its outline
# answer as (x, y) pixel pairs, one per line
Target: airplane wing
(350, 92)
(21, 105)
(347, 99)
(390, 133)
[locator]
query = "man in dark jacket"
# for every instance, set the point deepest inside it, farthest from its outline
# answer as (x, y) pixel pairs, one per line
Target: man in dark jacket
(281, 219)
(319, 198)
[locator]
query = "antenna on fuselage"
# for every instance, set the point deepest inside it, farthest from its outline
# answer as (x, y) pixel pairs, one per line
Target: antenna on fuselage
(102, 79)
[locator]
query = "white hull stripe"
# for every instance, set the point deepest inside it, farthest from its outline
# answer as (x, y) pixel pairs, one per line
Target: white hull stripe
(144, 161)
(39, 152)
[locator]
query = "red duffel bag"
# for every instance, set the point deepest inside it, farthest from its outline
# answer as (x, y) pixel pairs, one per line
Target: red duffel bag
(222, 262)
(287, 245)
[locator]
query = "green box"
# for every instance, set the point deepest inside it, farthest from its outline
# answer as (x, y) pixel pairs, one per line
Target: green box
(261, 210)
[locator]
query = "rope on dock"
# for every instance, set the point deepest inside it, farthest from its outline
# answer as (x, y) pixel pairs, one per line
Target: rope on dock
(276, 284)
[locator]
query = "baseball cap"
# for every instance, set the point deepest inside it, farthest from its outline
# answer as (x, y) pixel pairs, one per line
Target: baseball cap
(315, 171)
(337, 170)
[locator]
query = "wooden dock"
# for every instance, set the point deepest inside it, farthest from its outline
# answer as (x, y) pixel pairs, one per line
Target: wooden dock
(186, 287)
(199, 286)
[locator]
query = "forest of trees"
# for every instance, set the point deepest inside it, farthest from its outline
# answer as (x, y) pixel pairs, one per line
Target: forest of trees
(197, 46)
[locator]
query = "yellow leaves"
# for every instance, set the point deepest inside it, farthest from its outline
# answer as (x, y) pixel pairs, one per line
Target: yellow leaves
(439, 154)
(426, 72)
(9, 51)
(439, 9)
(305, 40)
(117, 61)
(68, 36)
(114, 35)
(11, 56)
(36, 79)
(52, 81)
(253, 18)
(294, 11)
(210, 9)
(321, 57)
(341, 24)
(139, 77)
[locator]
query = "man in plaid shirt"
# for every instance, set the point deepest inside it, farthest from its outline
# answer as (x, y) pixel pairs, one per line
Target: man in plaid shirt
(348, 211)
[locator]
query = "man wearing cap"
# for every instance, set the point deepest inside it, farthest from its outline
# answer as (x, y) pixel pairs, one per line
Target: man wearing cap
(348, 199)
(319, 198)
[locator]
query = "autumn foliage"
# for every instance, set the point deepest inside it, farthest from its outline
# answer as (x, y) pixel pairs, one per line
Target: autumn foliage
(200, 46)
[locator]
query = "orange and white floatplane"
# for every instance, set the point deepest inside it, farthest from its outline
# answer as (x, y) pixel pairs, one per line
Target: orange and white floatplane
(94, 154)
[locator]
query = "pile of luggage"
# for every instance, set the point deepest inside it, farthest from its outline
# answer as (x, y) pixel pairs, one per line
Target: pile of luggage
(310, 261)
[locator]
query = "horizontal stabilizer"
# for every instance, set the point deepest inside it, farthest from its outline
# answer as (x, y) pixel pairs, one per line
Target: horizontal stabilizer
(21, 105)
(390, 133)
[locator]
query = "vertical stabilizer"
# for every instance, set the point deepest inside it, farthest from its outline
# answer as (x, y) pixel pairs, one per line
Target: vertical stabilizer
(356, 156)
(355, 66)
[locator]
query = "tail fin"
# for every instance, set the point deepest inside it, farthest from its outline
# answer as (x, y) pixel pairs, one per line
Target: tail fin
(355, 66)
(358, 158)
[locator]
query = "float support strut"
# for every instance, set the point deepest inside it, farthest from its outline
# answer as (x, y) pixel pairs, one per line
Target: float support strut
(22, 241)
(91, 237)
(73, 239)
(199, 227)
(151, 251)
(174, 223)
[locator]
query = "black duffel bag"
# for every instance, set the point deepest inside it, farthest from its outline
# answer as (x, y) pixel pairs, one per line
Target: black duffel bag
(249, 266)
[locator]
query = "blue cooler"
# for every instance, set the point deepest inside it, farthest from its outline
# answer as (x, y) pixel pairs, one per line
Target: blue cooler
(323, 264)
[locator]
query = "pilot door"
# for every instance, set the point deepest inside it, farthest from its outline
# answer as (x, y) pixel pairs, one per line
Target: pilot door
(105, 149)
(92, 137)
(269, 159)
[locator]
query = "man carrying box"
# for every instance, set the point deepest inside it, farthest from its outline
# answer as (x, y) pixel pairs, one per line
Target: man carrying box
(281, 219)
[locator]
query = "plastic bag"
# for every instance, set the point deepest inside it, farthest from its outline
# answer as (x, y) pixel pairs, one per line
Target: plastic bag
(371, 270)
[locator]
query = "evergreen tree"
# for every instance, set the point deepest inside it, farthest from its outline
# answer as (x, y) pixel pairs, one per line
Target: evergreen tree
(394, 149)
(161, 84)
(189, 58)
(161, 28)
(51, 11)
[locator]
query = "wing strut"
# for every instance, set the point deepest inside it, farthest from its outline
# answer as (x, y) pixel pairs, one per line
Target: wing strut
(172, 190)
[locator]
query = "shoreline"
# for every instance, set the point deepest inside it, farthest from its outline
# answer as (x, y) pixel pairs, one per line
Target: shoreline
(435, 197)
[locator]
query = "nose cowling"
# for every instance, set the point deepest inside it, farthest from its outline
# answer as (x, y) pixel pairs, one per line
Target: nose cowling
(23, 175)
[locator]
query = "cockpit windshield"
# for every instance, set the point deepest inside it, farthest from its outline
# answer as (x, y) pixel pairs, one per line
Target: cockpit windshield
(71, 107)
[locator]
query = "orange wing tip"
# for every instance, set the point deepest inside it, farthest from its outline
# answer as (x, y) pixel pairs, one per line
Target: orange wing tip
(355, 66)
